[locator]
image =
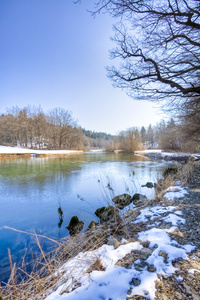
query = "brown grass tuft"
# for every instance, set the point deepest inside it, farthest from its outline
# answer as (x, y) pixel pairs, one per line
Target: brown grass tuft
(44, 276)
(183, 175)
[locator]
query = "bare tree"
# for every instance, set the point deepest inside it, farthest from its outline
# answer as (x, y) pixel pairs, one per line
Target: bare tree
(40, 129)
(170, 137)
(61, 126)
(158, 44)
(75, 139)
(130, 140)
(158, 52)
(190, 120)
(8, 130)
(31, 127)
(23, 127)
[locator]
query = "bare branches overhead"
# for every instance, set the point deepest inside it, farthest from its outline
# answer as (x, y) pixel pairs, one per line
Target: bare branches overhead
(158, 47)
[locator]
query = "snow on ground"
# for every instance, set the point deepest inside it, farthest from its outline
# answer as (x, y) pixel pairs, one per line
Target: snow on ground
(191, 271)
(175, 192)
(159, 212)
(159, 154)
(150, 213)
(148, 151)
(13, 150)
(114, 281)
(173, 219)
(97, 284)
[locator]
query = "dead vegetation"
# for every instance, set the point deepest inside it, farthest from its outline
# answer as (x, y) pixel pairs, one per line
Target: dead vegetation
(47, 271)
(180, 173)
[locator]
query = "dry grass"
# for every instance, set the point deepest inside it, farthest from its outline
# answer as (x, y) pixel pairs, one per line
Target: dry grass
(35, 285)
(45, 275)
(183, 175)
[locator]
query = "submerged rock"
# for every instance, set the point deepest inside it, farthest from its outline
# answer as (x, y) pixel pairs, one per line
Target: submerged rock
(170, 171)
(75, 225)
(138, 196)
(122, 200)
(149, 185)
(92, 224)
(108, 214)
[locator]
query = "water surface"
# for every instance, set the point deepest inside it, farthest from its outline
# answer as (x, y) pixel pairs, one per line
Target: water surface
(32, 189)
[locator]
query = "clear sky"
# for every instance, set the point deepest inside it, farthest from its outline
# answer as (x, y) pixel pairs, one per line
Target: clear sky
(53, 53)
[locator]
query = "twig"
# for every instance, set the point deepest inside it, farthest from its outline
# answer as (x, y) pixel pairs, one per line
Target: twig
(42, 252)
(29, 233)
(12, 269)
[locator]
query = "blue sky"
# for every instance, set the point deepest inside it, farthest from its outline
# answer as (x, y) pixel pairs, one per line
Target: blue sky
(53, 53)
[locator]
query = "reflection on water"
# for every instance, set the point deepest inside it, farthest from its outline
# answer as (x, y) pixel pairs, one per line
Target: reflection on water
(34, 192)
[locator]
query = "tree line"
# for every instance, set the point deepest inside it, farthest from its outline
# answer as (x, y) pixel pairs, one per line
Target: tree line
(168, 136)
(31, 127)
(57, 129)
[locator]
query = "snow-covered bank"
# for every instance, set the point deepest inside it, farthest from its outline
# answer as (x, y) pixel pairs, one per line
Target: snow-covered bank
(133, 268)
(159, 154)
(18, 150)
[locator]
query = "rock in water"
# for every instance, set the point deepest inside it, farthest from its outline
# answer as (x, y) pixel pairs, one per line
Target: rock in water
(75, 225)
(108, 214)
(138, 197)
(150, 185)
(122, 200)
(92, 224)
(170, 171)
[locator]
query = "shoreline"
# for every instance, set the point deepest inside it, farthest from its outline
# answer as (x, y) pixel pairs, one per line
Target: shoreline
(156, 154)
(160, 246)
(175, 232)
(168, 156)
(26, 152)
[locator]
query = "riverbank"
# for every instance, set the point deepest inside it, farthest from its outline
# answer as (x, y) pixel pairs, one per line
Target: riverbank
(169, 156)
(18, 151)
(157, 154)
(153, 253)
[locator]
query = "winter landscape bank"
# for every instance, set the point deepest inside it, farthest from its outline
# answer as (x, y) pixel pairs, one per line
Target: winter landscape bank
(150, 252)
(17, 151)
(154, 154)
(156, 257)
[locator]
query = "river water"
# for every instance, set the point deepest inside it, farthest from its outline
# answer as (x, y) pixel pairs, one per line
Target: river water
(32, 190)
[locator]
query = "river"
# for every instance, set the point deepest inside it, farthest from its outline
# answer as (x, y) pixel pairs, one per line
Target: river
(32, 190)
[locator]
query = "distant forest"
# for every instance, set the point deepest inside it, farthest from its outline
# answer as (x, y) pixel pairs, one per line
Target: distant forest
(32, 128)
(168, 136)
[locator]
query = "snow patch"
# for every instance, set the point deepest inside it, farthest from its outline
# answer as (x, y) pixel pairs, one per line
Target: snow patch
(115, 281)
(175, 192)
(151, 213)
(175, 220)
(13, 150)
(191, 271)
(166, 250)
(179, 278)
